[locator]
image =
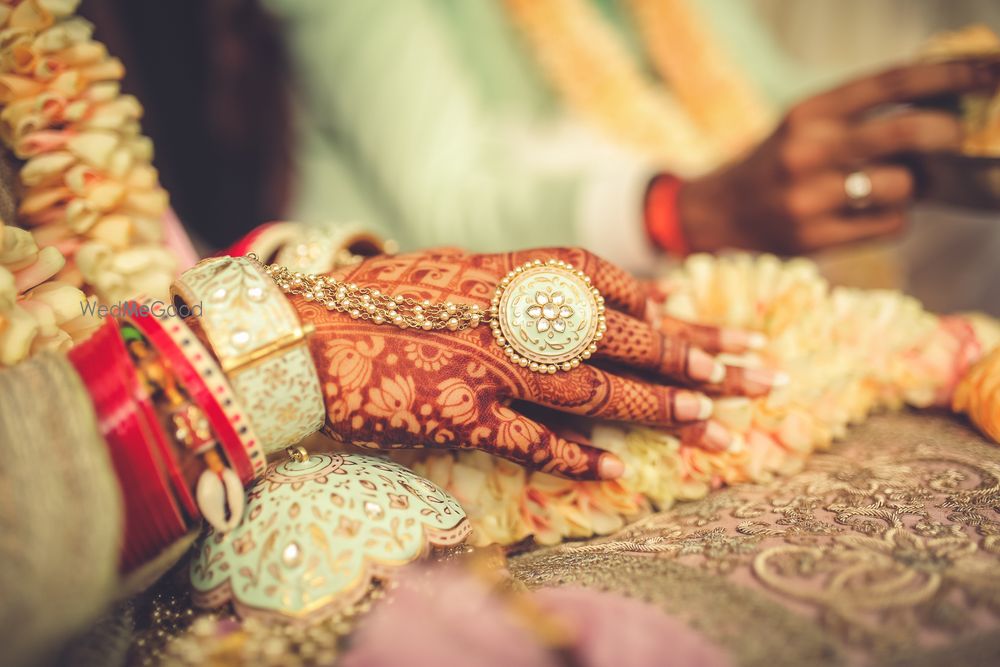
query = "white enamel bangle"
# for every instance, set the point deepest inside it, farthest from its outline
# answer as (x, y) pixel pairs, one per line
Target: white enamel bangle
(323, 248)
(260, 344)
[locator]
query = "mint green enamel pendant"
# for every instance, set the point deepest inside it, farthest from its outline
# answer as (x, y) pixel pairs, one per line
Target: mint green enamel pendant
(317, 530)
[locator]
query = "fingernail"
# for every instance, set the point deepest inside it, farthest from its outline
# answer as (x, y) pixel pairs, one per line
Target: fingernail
(738, 340)
(703, 366)
(737, 444)
(766, 378)
(717, 437)
(610, 466)
(705, 407)
(691, 406)
(756, 340)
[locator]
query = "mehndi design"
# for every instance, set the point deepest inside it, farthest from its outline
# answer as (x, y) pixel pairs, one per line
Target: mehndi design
(454, 387)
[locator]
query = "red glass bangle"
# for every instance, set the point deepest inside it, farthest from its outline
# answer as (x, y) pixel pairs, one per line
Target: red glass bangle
(153, 519)
(663, 222)
(167, 458)
(197, 371)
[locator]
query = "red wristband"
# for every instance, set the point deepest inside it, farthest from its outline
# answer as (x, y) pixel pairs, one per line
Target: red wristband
(153, 519)
(663, 222)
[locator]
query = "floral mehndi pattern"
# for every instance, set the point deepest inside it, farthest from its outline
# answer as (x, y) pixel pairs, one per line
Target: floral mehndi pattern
(387, 387)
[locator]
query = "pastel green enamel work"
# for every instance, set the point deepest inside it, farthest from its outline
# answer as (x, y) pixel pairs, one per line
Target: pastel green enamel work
(315, 533)
(549, 315)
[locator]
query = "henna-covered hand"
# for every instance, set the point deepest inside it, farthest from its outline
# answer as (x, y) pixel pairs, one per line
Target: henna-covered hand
(387, 387)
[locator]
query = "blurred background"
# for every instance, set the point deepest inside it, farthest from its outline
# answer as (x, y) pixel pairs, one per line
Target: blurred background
(321, 110)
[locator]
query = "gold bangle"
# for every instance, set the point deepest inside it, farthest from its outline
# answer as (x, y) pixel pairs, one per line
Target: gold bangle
(261, 345)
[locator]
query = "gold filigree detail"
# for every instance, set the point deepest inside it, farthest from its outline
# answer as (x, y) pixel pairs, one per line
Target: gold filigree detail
(547, 316)
(890, 543)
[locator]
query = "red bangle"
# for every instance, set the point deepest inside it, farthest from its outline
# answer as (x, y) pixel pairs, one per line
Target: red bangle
(197, 371)
(165, 454)
(153, 520)
(663, 223)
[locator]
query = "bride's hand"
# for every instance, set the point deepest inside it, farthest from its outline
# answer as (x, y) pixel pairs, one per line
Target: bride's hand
(388, 387)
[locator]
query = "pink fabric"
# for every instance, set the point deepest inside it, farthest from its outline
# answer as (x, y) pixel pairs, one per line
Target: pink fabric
(177, 240)
(445, 617)
(618, 631)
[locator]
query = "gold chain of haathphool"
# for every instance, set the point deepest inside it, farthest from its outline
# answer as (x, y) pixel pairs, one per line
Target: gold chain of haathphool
(546, 315)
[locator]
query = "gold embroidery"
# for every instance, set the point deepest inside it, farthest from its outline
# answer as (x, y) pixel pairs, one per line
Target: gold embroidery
(889, 544)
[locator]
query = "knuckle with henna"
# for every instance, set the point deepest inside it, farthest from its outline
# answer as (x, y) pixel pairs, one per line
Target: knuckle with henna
(580, 257)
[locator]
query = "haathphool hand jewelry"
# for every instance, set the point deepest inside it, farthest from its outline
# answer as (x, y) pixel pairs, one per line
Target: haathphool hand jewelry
(261, 346)
(546, 315)
(451, 384)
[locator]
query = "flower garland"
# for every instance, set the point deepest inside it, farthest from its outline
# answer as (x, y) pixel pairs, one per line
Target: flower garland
(36, 313)
(848, 353)
(686, 55)
(89, 188)
(978, 394)
(713, 112)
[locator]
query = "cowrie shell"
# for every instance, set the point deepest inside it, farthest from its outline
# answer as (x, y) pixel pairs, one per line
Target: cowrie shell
(216, 493)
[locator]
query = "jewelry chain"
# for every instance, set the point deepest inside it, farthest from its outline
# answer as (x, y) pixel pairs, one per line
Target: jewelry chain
(371, 304)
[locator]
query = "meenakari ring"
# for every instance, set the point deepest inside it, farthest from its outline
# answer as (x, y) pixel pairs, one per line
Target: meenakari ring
(547, 316)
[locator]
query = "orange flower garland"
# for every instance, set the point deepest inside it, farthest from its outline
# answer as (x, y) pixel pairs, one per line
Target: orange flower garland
(90, 189)
(705, 114)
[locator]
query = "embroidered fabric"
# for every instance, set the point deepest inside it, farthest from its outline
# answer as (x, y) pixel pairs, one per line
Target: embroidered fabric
(884, 550)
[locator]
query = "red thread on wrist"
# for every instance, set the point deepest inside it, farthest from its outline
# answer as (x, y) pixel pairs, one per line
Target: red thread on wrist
(663, 224)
